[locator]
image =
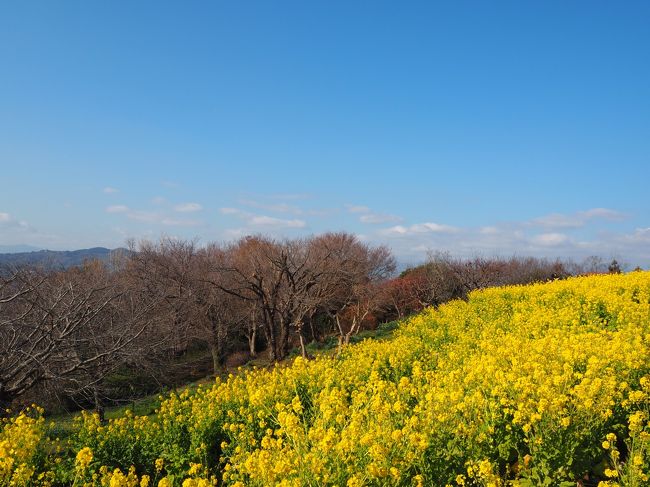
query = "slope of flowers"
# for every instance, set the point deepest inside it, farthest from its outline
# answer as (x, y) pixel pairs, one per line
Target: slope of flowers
(529, 385)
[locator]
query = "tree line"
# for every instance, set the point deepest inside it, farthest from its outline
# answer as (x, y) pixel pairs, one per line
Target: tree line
(71, 332)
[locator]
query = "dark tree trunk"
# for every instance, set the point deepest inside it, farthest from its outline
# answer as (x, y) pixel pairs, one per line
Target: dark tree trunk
(283, 340)
(99, 404)
(6, 398)
(303, 349)
(251, 342)
(217, 347)
(269, 333)
(217, 359)
(312, 330)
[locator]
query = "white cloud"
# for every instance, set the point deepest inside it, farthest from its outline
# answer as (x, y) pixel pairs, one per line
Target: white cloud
(433, 227)
(235, 233)
(188, 207)
(152, 217)
(256, 221)
(357, 209)
(110, 190)
(377, 218)
(9, 222)
(144, 216)
(644, 232)
(640, 235)
(550, 239)
(581, 234)
(420, 228)
(274, 207)
(290, 196)
(370, 217)
(489, 230)
(232, 211)
(578, 219)
(18, 232)
(603, 213)
(558, 220)
(269, 221)
(117, 209)
(180, 222)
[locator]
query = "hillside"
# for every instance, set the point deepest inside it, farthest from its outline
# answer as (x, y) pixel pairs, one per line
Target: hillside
(57, 259)
(525, 385)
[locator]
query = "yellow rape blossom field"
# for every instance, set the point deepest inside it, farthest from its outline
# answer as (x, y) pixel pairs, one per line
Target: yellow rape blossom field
(535, 385)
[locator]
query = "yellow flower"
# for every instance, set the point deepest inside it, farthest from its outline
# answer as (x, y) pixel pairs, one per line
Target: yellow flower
(83, 459)
(354, 481)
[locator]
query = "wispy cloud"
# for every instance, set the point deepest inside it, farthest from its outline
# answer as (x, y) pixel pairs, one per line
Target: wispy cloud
(550, 239)
(7, 221)
(274, 207)
(16, 231)
(576, 236)
(144, 216)
(110, 190)
(640, 236)
(180, 222)
(420, 228)
(366, 215)
(275, 204)
(265, 221)
(357, 209)
(489, 230)
(290, 196)
(117, 209)
(233, 211)
(188, 207)
(153, 217)
(578, 219)
(379, 218)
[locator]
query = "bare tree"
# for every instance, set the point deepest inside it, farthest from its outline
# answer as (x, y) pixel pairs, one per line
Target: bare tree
(165, 270)
(218, 316)
(122, 334)
(351, 288)
(75, 328)
(252, 273)
(64, 327)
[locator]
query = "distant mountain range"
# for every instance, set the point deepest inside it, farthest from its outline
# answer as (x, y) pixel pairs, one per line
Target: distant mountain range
(54, 259)
(15, 249)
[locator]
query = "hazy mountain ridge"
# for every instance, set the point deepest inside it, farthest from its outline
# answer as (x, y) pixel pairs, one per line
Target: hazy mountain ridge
(58, 259)
(19, 248)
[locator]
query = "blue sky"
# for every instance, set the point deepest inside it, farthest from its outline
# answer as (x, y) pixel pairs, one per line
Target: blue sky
(472, 127)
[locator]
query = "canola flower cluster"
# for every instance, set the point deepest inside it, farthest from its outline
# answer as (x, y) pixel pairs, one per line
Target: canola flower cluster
(537, 385)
